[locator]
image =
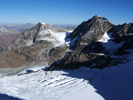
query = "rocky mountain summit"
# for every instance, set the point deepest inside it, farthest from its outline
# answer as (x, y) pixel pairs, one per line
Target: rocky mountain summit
(90, 30)
(95, 43)
(35, 46)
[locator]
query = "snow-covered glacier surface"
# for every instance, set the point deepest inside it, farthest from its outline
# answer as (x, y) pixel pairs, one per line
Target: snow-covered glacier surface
(50, 85)
(113, 83)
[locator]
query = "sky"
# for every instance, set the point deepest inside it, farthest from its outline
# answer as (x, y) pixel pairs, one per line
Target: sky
(64, 11)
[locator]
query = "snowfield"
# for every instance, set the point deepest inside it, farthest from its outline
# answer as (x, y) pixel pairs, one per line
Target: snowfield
(113, 83)
(50, 85)
(105, 38)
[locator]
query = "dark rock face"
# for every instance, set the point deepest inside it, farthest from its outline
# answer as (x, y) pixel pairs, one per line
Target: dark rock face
(72, 61)
(57, 53)
(128, 45)
(1, 49)
(94, 47)
(122, 30)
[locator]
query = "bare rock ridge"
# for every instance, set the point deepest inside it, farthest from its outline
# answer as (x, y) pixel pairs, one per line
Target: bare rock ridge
(89, 48)
(33, 46)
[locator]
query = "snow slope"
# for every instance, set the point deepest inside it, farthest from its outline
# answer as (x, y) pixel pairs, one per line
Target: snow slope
(57, 38)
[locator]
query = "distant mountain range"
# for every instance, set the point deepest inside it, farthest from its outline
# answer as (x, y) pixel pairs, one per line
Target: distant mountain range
(19, 27)
(70, 27)
(23, 27)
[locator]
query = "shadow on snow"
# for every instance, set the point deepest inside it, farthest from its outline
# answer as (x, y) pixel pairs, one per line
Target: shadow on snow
(6, 97)
(111, 83)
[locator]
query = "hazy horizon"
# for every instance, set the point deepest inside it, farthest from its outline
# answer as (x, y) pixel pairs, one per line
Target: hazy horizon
(68, 12)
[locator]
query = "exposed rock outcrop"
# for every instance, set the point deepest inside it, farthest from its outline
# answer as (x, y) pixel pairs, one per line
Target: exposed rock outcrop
(1, 49)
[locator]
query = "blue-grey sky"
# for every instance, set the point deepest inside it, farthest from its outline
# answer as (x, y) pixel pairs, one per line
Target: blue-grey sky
(65, 11)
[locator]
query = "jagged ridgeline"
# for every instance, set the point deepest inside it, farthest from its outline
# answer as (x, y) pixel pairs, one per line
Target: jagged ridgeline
(95, 43)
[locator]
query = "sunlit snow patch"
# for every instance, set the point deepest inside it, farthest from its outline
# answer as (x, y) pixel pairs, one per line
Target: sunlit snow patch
(61, 38)
(105, 38)
(58, 38)
(29, 42)
(43, 23)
